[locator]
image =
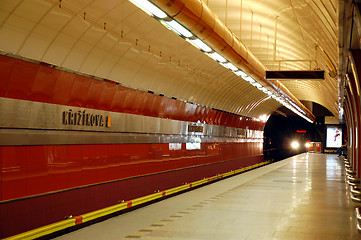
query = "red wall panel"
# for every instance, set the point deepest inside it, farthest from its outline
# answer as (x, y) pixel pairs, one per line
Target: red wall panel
(102, 163)
(189, 112)
(44, 84)
(171, 109)
(130, 99)
(199, 113)
(152, 105)
(21, 80)
(56, 165)
(146, 106)
(89, 164)
(37, 169)
(162, 104)
(32, 170)
(218, 118)
(6, 67)
(1, 178)
(140, 101)
(223, 119)
(107, 96)
(63, 87)
(14, 172)
(79, 91)
(119, 99)
(94, 93)
(73, 167)
(114, 161)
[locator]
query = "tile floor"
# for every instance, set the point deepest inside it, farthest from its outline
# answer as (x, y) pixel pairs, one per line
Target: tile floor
(302, 197)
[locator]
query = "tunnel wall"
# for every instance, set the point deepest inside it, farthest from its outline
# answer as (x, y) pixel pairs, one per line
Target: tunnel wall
(72, 143)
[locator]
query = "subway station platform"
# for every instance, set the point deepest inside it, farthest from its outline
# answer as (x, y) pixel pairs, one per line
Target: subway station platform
(302, 197)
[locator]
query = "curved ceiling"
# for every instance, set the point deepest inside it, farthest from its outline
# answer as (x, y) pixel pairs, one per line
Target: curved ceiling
(116, 40)
(290, 35)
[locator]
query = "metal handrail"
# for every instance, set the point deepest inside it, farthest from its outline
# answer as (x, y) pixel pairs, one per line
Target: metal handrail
(358, 218)
(355, 198)
(350, 171)
(353, 183)
(354, 191)
(352, 178)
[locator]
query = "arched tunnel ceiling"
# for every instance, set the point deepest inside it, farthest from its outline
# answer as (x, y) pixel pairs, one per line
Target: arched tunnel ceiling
(290, 35)
(116, 40)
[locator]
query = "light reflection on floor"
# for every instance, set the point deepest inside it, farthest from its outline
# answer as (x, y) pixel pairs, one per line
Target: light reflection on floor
(303, 197)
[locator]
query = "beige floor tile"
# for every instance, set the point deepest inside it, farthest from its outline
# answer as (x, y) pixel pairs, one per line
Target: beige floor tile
(303, 197)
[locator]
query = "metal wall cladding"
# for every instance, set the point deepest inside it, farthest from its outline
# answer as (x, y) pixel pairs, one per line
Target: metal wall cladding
(41, 83)
(33, 170)
(37, 123)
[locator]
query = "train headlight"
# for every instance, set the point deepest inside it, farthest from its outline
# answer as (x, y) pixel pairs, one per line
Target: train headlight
(295, 144)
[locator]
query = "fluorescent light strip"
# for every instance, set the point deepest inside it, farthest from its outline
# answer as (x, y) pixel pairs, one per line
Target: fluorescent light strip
(263, 89)
(268, 92)
(297, 110)
(149, 8)
(178, 28)
(249, 79)
(199, 44)
(217, 57)
(230, 66)
(241, 74)
(257, 85)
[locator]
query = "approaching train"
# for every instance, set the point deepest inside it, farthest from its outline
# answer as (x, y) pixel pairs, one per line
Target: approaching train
(72, 143)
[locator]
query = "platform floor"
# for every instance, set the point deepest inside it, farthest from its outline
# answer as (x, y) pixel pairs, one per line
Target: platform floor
(302, 197)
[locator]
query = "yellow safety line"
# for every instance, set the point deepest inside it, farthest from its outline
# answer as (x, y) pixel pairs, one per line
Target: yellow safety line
(104, 211)
(43, 231)
(146, 199)
(176, 189)
(51, 228)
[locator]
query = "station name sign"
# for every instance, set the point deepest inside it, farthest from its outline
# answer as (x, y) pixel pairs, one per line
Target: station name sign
(195, 128)
(83, 118)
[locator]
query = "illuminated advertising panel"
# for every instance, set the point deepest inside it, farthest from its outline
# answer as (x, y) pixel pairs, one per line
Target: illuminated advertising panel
(333, 137)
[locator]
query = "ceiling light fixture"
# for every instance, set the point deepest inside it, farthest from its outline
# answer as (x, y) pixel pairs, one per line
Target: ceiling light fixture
(257, 85)
(230, 66)
(149, 8)
(241, 74)
(217, 57)
(178, 28)
(199, 44)
(249, 79)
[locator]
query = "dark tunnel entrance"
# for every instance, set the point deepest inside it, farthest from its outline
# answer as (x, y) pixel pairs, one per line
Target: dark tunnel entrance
(281, 131)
